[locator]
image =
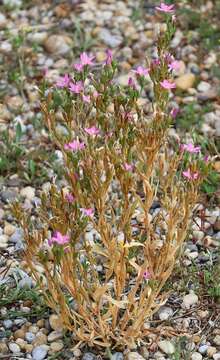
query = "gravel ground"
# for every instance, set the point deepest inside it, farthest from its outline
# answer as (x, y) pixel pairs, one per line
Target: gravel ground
(42, 39)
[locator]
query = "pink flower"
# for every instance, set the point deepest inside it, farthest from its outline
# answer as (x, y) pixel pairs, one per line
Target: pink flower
(141, 71)
(206, 158)
(190, 175)
(92, 130)
(86, 59)
(109, 57)
(147, 275)
(78, 67)
(87, 212)
(75, 145)
(59, 239)
(155, 62)
(166, 84)
(69, 197)
(128, 167)
(86, 99)
(174, 112)
(76, 88)
(131, 83)
(190, 148)
(165, 8)
(63, 81)
(174, 65)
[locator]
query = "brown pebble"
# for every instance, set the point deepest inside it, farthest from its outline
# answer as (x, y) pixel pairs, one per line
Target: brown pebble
(20, 333)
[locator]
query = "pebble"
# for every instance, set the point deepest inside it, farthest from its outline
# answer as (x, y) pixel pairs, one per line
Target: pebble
(185, 81)
(203, 349)
(196, 356)
(3, 348)
(190, 300)
(20, 333)
(109, 39)
(14, 347)
(8, 324)
(55, 322)
(89, 356)
(3, 21)
(166, 346)
(211, 351)
(165, 313)
(28, 192)
(203, 86)
(117, 356)
(55, 335)
(9, 196)
(40, 352)
(40, 339)
(17, 236)
(58, 44)
(9, 229)
(56, 346)
(29, 336)
(216, 340)
(216, 356)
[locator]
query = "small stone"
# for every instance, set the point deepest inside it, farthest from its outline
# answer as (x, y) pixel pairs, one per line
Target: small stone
(8, 324)
(185, 81)
(41, 323)
(190, 300)
(211, 351)
(3, 348)
(109, 39)
(89, 356)
(20, 333)
(55, 335)
(34, 329)
(29, 336)
(134, 356)
(3, 21)
(165, 313)
(13, 347)
(216, 356)
(196, 356)
(117, 356)
(56, 322)
(15, 102)
(17, 236)
(198, 235)
(166, 346)
(40, 352)
(8, 196)
(28, 192)
(40, 339)
(38, 37)
(203, 86)
(58, 44)
(77, 352)
(216, 340)
(56, 346)
(203, 349)
(9, 229)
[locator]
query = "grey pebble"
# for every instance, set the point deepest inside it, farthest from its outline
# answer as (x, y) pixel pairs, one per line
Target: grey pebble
(39, 352)
(117, 356)
(89, 356)
(8, 324)
(29, 336)
(203, 349)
